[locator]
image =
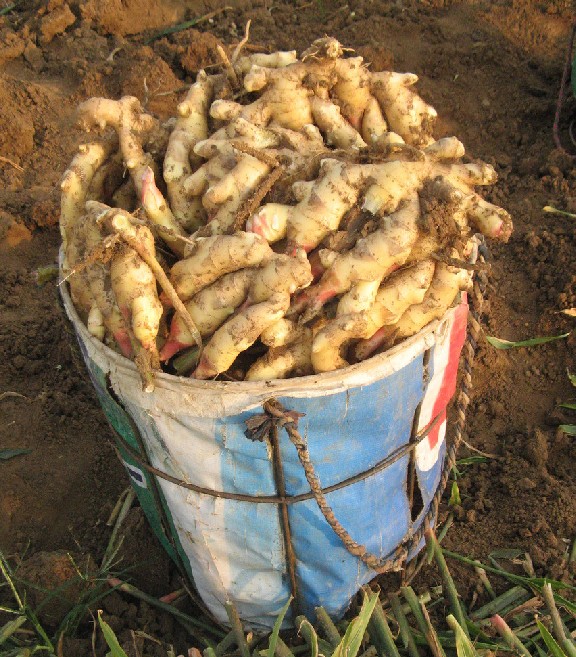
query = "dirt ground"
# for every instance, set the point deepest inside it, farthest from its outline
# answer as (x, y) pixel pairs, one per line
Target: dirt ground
(491, 69)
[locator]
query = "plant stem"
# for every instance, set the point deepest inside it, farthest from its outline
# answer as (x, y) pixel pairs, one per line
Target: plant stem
(450, 587)
(111, 547)
(485, 581)
(226, 642)
(306, 630)
(500, 625)
(380, 630)
(509, 599)
(413, 602)
(237, 629)
(328, 626)
(557, 624)
(282, 650)
(405, 629)
(441, 535)
(431, 636)
(136, 593)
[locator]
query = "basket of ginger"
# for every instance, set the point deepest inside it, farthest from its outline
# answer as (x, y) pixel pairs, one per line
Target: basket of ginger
(297, 235)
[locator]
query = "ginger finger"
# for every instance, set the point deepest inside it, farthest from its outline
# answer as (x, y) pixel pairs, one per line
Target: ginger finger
(282, 274)
(239, 333)
(352, 89)
(319, 212)
(134, 286)
(406, 113)
(95, 323)
(107, 178)
(267, 302)
(191, 127)
(374, 125)
(285, 100)
(133, 126)
(119, 222)
(225, 110)
(160, 214)
(400, 291)
(360, 297)
(215, 256)
(209, 308)
(129, 120)
(373, 257)
(283, 332)
(273, 60)
(446, 283)
(338, 131)
(75, 185)
(283, 361)
(489, 219)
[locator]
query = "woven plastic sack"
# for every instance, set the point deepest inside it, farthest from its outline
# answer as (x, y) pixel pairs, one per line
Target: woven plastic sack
(212, 494)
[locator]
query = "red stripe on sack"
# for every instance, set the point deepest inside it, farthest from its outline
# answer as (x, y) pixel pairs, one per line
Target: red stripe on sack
(448, 387)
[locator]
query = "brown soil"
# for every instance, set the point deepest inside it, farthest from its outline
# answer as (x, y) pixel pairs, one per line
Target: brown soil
(491, 69)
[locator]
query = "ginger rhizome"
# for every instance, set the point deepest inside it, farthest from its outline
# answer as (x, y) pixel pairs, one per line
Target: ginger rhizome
(295, 217)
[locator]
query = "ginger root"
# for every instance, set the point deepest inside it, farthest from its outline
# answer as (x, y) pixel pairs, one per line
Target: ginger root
(267, 301)
(276, 172)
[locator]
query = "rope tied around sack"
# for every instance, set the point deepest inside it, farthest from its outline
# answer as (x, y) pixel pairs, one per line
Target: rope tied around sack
(275, 416)
(290, 425)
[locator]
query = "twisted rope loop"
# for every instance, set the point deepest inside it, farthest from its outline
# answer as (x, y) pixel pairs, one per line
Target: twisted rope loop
(276, 414)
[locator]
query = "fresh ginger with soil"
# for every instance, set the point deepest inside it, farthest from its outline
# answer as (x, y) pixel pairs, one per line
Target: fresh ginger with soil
(297, 216)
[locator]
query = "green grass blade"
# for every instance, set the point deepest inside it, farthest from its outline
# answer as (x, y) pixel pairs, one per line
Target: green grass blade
(499, 343)
(464, 647)
(6, 454)
(533, 582)
(550, 641)
(405, 629)
(7, 630)
(572, 407)
(306, 630)
(185, 25)
(569, 429)
(7, 9)
(471, 460)
(508, 600)
(455, 499)
(381, 634)
(551, 208)
(276, 629)
(186, 362)
(506, 553)
(352, 640)
(110, 638)
(449, 586)
(330, 630)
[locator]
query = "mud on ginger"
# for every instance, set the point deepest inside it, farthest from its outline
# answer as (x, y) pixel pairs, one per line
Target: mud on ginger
(274, 167)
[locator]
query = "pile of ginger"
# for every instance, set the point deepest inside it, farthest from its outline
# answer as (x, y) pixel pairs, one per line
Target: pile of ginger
(297, 216)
